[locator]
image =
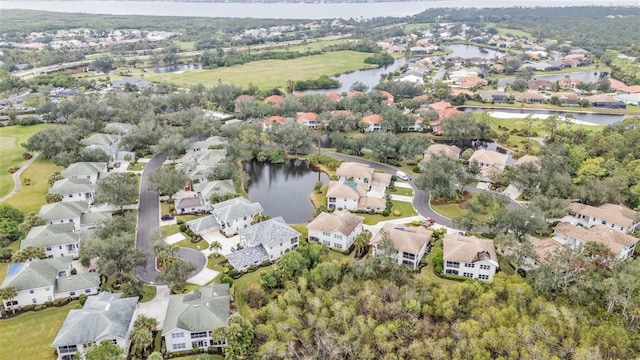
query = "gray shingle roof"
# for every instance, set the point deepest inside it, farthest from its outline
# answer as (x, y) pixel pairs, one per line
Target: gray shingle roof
(103, 315)
(63, 210)
(77, 282)
(102, 139)
(50, 235)
(200, 225)
(139, 83)
(36, 273)
(84, 168)
(94, 219)
(244, 258)
(72, 185)
(208, 188)
(200, 310)
(268, 233)
(205, 144)
(234, 209)
(119, 128)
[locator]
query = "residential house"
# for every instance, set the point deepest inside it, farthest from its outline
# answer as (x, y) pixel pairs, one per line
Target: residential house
(461, 74)
(537, 84)
(40, 281)
(209, 143)
(337, 230)
(387, 97)
(189, 205)
(606, 102)
(270, 121)
(567, 84)
(85, 170)
(104, 317)
(620, 244)
(345, 194)
(334, 96)
(362, 174)
(450, 151)
(74, 189)
(525, 159)
(567, 99)
(228, 217)
(617, 217)
(411, 243)
(191, 318)
(119, 128)
(494, 96)
(274, 99)
(123, 83)
(623, 88)
(207, 189)
(99, 139)
(64, 212)
(308, 119)
(529, 98)
(470, 82)
(629, 99)
(265, 241)
(469, 256)
(489, 161)
(57, 240)
(373, 122)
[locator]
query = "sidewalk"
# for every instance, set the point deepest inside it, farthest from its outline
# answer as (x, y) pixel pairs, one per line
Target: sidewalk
(16, 178)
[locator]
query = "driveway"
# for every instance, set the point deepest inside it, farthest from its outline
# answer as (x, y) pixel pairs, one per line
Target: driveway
(226, 242)
(157, 307)
(149, 219)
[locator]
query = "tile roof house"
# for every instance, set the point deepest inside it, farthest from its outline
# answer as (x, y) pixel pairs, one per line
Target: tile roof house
(529, 97)
(525, 159)
(412, 243)
(100, 139)
(487, 159)
(568, 83)
(605, 101)
(620, 244)
(39, 281)
(334, 96)
(567, 99)
(450, 151)
(362, 174)
(337, 230)
(308, 119)
(103, 317)
(274, 99)
(268, 123)
(494, 96)
(57, 240)
(537, 84)
(85, 170)
(265, 241)
(74, 189)
(373, 121)
(345, 194)
(188, 205)
(191, 318)
(469, 256)
(616, 217)
(470, 82)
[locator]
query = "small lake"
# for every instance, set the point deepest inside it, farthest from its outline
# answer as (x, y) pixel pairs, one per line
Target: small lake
(176, 68)
(369, 77)
(472, 51)
(284, 189)
(594, 118)
(584, 76)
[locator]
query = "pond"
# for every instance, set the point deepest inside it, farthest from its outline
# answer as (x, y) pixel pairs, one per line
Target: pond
(584, 76)
(284, 189)
(176, 68)
(593, 118)
(472, 51)
(369, 77)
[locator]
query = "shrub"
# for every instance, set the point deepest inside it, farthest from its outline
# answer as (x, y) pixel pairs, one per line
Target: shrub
(265, 263)
(227, 280)
(49, 303)
(252, 268)
(234, 273)
(225, 269)
(28, 307)
(179, 222)
(255, 296)
(416, 169)
(60, 302)
(386, 213)
(183, 227)
(396, 213)
(82, 299)
(74, 271)
(27, 156)
(37, 308)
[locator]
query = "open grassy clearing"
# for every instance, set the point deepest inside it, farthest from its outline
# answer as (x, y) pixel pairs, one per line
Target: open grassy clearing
(269, 73)
(29, 336)
(11, 150)
(241, 284)
(406, 209)
(454, 210)
(31, 197)
(402, 191)
(186, 45)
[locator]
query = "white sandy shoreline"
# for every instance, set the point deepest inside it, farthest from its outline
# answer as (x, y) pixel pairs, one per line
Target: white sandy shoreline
(509, 115)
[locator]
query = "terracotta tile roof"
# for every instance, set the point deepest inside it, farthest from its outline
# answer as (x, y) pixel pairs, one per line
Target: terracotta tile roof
(381, 178)
(274, 99)
(489, 157)
(356, 94)
(272, 119)
(614, 240)
(456, 92)
(617, 214)
(343, 222)
(440, 105)
(458, 247)
(406, 239)
(334, 96)
(372, 119)
(423, 98)
(309, 116)
(385, 94)
(450, 151)
(567, 83)
(566, 96)
(471, 81)
(601, 98)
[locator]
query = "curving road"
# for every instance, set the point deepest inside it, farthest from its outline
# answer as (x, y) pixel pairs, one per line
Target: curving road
(149, 219)
(421, 198)
(16, 177)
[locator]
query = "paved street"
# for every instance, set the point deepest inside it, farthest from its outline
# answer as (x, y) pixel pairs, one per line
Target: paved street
(149, 219)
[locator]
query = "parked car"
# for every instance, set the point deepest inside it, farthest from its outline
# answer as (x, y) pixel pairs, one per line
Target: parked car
(166, 217)
(428, 222)
(402, 175)
(233, 249)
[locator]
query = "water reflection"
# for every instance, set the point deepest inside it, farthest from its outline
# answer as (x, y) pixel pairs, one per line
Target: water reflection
(284, 189)
(176, 68)
(472, 51)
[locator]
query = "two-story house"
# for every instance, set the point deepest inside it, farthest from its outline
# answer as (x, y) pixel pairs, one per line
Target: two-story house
(617, 217)
(469, 256)
(345, 194)
(337, 230)
(620, 244)
(191, 318)
(308, 119)
(104, 317)
(228, 217)
(265, 241)
(39, 281)
(207, 189)
(64, 212)
(362, 174)
(411, 243)
(119, 128)
(57, 240)
(373, 122)
(85, 170)
(74, 189)
(450, 151)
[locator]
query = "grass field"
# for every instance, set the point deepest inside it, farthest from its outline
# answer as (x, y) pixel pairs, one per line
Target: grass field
(11, 139)
(406, 209)
(29, 336)
(32, 197)
(402, 191)
(242, 283)
(455, 210)
(269, 73)
(194, 357)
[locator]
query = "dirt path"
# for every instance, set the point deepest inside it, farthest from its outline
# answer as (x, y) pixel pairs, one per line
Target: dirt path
(16, 178)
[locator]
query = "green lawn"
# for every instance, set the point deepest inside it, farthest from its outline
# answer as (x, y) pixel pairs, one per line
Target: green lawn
(188, 244)
(405, 208)
(402, 191)
(137, 167)
(186, 45)
(32, 197)
(454, 210)
(149, 293)
(29, 335)
(11, 139)
(194, 357)
(269, 73)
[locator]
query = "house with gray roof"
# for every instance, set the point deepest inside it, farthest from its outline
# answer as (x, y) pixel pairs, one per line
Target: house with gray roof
(119, 128)
(191, 318)
(64, 212)
(74, 189)
(109, 144)
(85, 170)
(121, 84)
(235, 214)
(188, 205)
(39, 281)
(265, 241)
(214, 141)
(101, 139)
(57, 240)
(104, 317)
(204, 225)
(207, 189)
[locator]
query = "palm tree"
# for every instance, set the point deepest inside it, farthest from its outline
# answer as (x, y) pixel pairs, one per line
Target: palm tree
(216, 247)
(29, 253)
(9, 293)
(361, 242)
(173, 249)
(161, 249)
